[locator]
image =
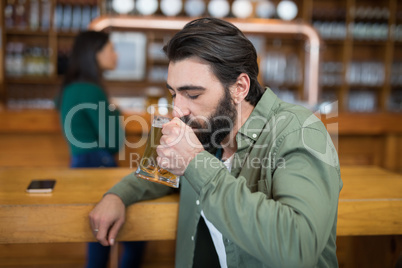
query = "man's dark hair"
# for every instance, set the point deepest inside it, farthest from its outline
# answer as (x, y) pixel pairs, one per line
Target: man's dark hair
(223, 46)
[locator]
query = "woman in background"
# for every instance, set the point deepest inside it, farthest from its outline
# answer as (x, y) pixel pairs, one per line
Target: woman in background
(91, 124)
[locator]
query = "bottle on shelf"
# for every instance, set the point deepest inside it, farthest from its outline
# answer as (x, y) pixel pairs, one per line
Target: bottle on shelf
(21, 21)
(62, 60)
(9, 14)
(76, 18)
(95, 12)
(19, 62)
(46, 9)
(58, 17)
(67, 17)
(86, 16)
(34, 14)
(9, 59)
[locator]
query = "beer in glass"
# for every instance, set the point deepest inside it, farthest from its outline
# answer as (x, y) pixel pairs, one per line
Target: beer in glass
(148, 168)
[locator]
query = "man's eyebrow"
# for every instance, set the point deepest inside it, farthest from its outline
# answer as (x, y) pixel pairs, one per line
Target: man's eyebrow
(188, 87)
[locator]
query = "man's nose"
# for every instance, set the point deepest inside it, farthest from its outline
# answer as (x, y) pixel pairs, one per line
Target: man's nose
(180, 107)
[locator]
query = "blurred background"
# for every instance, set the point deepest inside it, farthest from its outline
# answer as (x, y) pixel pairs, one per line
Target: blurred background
(360, 89)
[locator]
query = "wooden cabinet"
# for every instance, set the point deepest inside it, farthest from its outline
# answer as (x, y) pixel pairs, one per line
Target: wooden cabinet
(35, 36)
(361, 68)
(360, 39)
(360, 62)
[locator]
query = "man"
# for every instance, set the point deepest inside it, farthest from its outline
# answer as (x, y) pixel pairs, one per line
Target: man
(260, 178)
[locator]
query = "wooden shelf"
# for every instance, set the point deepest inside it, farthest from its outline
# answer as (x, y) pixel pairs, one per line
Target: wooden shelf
(35, 121)
(33, 80)
(26, 32)
(138, 84)
(333, 42)
(363, 86)
(67, 34)
(360, 42)
(47, 121)
(364, 123)
(343, 51)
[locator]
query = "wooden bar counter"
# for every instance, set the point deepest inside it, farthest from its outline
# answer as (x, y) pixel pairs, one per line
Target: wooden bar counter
(62, 216)
(370, 204)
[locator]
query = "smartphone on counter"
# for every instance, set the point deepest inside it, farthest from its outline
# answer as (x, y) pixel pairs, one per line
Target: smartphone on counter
(41, 186)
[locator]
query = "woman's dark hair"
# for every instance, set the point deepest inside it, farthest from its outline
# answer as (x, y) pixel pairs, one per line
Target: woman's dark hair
(83, 65)
(223, 46)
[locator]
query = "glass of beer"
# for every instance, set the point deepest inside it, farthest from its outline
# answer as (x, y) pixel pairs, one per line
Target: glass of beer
(148, 168)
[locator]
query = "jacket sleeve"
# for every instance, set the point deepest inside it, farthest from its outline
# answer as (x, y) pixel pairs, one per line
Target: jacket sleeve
(132, 189)
(292, 228)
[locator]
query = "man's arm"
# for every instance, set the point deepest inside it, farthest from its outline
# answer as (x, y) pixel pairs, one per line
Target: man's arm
(107, 218)
(108, 215)
(289, 230)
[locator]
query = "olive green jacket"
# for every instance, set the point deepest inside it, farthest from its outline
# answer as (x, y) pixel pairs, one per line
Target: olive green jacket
(278, 205)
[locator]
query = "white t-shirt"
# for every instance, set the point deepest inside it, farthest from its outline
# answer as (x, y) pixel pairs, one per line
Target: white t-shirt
(215, 234)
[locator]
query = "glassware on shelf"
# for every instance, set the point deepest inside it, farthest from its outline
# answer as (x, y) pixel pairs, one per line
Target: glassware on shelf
(34, 14)
(95, 11)
(69, 17)
(279, 69)
(30, 96)
(171, 8)
(362, 101)
(123, 6)
(147, 7)
(76, 18)
(242, 8)
(9, 14)
(396, 74)
(155, 51)
(218, 8)
(23, 60)
(285, 94)
(58, 16)
(158, 74)
(370, 31)
(14, 59)
(265, 9)
(21, 16)
(398, 33)
(366, 73)
(46, 9)
(287, 10)
(194, 8)
(395, 101)
(371, 13)
(30, 15)
(331, 30)
(86, 16)
(331, 74)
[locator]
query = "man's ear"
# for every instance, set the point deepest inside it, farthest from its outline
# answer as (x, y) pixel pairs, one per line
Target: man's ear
(241, 88)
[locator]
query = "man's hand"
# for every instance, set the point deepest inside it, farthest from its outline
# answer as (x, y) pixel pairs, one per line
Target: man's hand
(178, 146)
(107, 218)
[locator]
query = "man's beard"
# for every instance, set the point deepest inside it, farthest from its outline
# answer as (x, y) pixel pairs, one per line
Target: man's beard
(213, 130)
